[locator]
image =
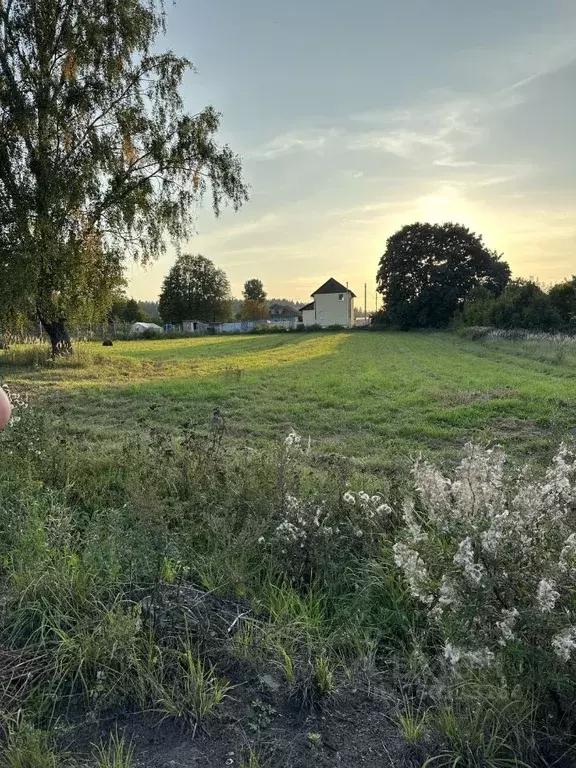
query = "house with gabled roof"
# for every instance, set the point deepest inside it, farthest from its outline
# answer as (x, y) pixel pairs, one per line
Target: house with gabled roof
(283, 315)
(333, 304)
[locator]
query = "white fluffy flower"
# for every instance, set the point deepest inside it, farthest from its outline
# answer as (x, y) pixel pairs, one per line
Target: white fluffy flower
(564, 643)
(452, 653)
(349, 498)
(448, 594)
(292, 439)
(414, 571)
(288, 531)
(547, 595)
(414, 528)
(464, 557)
(568, 554)
(481, 658)
(507, 623)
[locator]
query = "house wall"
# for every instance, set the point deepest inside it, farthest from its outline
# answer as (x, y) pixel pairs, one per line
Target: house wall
(331, 311)
(308, 317)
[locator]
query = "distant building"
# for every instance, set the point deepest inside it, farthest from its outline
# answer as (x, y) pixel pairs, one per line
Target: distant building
(139, 328)
(194, 326)
(280, 314)
(333, 305)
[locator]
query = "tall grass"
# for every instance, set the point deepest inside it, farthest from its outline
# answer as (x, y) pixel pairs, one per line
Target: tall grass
(133, 577)
(554, 348)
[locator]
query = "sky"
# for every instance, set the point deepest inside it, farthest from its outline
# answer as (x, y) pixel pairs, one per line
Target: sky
(355, 118)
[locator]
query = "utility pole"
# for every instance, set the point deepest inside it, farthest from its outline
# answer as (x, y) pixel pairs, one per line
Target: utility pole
(365, 303)
(347, 306)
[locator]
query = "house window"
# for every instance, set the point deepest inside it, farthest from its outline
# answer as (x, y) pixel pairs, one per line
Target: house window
(340, 297)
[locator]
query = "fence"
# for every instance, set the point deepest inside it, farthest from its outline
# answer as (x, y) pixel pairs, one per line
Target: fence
(33, 333)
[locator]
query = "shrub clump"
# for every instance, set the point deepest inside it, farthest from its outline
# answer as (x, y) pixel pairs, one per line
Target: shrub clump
(491, 558)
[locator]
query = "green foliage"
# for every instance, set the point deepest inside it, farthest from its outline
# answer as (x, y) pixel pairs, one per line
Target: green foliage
(126, 310)
(196, 690)
(254, 309)
(254, 306)
(482, 726)
(324, 676)
(195, 289)
(28, 747)
(254, 290)
(115, 754)
(428, 270)
(523, 305)
(132, 312)
(252, 759)
(413, 721)
(100, 162)
(563, 300)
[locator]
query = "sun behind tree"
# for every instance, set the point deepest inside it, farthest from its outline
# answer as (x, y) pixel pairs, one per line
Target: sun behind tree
(428, 270)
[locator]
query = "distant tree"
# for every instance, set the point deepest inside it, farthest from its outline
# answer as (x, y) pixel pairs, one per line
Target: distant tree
(254, 290)
(149, 309)
(286, 302)
(254, 306)
(125, 310)
(118, 306)
(132, 312)
(563, 300)
(195, 289)
(524, 304)
(99, 162)
(428, 270)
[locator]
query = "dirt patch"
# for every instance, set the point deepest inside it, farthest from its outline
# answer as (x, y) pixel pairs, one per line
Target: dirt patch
(357, 730)
(474, 396)
(524, 429)
(262, 715)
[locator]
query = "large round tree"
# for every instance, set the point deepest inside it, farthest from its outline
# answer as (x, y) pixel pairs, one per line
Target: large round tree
(99, 161)
(428, 270)
(195, 289)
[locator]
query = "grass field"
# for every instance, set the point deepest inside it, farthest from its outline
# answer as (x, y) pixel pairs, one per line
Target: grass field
(259, 600)
(376, 397)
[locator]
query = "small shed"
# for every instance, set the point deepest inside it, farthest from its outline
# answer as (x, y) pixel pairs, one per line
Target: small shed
(194, 326)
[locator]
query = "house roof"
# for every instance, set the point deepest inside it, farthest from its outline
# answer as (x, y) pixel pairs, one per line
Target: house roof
(308, 307)
(285, 311)
(333, 286)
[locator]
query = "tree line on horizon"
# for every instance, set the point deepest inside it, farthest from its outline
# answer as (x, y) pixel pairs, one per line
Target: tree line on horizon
(440, 275)
(195, 289)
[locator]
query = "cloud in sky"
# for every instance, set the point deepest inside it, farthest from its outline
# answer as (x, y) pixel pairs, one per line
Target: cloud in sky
(472, 129)
(293, 141)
